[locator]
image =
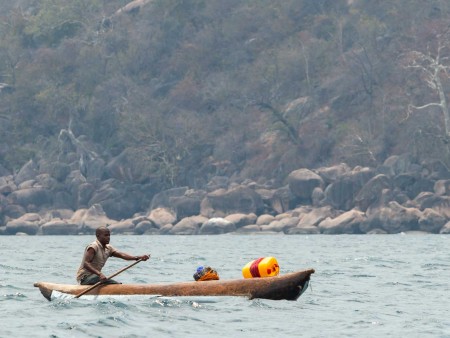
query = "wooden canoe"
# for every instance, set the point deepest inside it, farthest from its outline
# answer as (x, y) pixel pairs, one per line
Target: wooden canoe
(288, 286)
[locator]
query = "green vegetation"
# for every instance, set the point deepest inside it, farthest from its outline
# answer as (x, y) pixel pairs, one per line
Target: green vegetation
(186, 86)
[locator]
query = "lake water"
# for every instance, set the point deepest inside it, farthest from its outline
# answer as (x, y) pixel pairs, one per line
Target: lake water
(364, 286)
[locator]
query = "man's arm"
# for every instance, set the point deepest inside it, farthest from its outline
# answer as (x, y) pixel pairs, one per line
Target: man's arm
(128, 257)
(88, 257)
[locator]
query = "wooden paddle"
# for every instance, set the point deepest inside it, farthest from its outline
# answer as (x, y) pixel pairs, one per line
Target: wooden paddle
(112, 276)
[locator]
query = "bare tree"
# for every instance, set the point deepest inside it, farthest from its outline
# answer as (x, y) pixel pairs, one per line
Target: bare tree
(434, 66)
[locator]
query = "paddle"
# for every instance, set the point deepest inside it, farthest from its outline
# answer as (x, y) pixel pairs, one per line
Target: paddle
(112, 276)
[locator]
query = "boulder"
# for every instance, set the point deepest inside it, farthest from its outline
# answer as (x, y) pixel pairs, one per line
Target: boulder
(302, 182)
(18, 226)
(436, 170)
(63, 200)
(240, 220)
(217, 225)
(218, 182)
(304, 230)
(394, 218)
(282, 200)
(371, 191)
(318, 197)
(188, 226)
(59, 227)
(333, 173)
(397, 164)
(264, 219)
(162, 199)
(7, 185)
(90, 219)
(341, 193)
(64, 214)
(162, 216)
(239, 199)
(28, 172)
(441, 204)
(59, 171)
(13, 210)
(31, 196)
(412, 186)
(249, 229)
(315, 216)
(346, 223)
(185, 206)
(30, 217)
(442, 187)
(445, 229)
(282, 225)
(3, 171)
(431, 221)
(145, 226)
(85, 192)
(118, 200)
(122, 227)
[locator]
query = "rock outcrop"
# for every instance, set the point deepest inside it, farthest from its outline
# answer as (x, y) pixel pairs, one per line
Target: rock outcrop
(398, 196)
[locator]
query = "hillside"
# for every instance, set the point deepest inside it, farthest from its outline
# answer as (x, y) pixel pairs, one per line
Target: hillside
(181, 91)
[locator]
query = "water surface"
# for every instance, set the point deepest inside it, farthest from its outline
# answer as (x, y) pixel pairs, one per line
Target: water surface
(364, 286)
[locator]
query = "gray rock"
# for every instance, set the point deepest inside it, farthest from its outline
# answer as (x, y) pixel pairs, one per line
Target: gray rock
(249, 229)
(302, 182)
(371, 191)
(240, 220)
(394, 218)
(281, 225)
(185, 206)
(145, 227)
(331, 174)
(162, 199)
(445, 229)
(14, 211)
(16, 226)
(215, 226)
(28, 172)
(341, 193)
(431, 221)
(239, 199)
(316, 216)
(442, 187)
(35, 196)
(59, 227)
(346, 223)
(188, 226)
(304, 230)
(162, 216)
(264, 219)
(122, 227)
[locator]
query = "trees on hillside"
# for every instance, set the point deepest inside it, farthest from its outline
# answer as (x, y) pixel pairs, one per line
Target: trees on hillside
(433, 65)
(210, 80)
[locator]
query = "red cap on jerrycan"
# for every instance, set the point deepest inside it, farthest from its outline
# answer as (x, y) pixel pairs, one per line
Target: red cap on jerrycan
(261, 267)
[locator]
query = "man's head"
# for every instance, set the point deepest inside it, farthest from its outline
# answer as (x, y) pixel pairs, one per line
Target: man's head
(103, 235)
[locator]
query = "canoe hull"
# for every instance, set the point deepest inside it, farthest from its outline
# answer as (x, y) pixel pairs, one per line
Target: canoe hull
(289, 286)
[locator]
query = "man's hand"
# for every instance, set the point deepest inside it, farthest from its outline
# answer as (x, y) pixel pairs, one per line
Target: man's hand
(102, 276)
(143, 257)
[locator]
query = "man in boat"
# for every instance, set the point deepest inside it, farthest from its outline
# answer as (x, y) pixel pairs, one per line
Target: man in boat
(95, 256)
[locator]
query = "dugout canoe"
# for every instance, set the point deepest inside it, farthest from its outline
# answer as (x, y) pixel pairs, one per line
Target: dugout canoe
(288, 286)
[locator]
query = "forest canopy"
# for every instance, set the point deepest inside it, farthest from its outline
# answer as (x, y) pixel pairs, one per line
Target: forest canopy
(254, 88)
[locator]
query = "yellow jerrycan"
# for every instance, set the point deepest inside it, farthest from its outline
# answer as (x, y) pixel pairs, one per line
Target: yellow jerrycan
(261, 267)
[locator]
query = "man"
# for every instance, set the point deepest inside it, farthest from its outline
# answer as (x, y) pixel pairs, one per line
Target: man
(95, 256)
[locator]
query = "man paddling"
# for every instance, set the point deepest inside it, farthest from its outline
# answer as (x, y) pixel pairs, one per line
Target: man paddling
(95, 256)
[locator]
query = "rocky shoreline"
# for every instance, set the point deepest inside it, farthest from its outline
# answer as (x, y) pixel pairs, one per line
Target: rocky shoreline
(398, 196)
